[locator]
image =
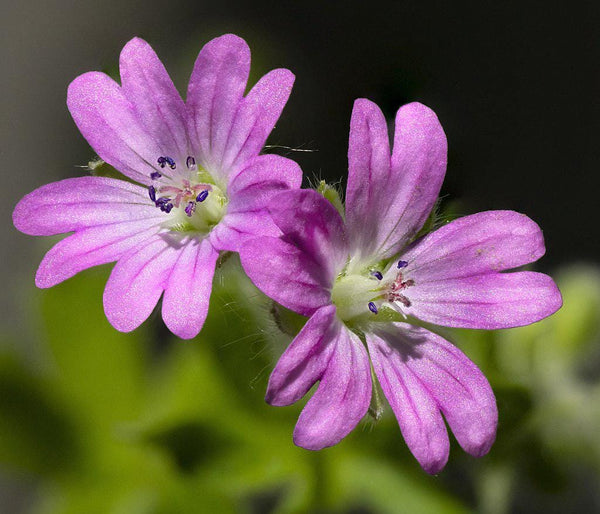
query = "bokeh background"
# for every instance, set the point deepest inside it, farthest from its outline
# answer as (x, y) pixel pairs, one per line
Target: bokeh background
(92, 420)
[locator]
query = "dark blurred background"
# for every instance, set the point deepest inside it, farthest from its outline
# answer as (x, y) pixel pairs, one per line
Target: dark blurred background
(514, 84)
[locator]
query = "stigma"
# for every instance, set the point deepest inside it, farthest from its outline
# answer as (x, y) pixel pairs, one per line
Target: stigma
(396, 290)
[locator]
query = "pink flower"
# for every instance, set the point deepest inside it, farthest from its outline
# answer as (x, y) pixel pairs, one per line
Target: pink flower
(202, 183)
(363, 280)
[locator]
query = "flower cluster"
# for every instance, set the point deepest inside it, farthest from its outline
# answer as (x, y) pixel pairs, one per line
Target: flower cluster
(368, 284)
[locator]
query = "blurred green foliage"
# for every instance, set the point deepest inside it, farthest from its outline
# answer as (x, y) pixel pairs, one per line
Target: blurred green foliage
(106, 422)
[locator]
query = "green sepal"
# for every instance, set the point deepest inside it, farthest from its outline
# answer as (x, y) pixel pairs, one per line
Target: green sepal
(98, 168)
(377, 406)
(331, 193)
(289, 322)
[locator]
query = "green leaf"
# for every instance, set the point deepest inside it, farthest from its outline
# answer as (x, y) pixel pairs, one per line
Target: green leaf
(36, 431)
(99, 370)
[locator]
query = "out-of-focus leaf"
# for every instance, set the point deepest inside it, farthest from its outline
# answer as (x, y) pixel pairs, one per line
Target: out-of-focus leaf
(99, 371)
(36, 432)
(546, 352)
(515, 407)
(377, 486)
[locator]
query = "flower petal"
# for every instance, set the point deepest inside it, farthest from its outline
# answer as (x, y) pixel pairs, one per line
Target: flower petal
(472, 245)
(305, 359)
(237, 227)
(91, 247)
(249, 194)
(78, 203)
(342, 397)
(138, 280)
(418, 166)
(313, 224)
(496, 300)
(148, 87)
(459, 388)
(110, 124)
(187, 293)
(256, 117)
(262, 176)
(286, 274)
(215, 90)
(418, 415)
(368, 176)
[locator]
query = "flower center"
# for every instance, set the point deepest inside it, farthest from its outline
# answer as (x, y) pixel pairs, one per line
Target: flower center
(360, 296)
(189, 197)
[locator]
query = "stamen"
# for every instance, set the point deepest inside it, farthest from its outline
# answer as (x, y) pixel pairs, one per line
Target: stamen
(162, 161)
(202, 196)
(190, 208)
(152, 193)
(402, 264)
(377, 275)
(190, 162)
(373, 308)
(155, 175)
(170, 162)
(164, 204)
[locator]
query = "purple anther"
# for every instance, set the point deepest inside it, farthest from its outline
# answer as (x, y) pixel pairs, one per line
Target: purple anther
(161, 202)
(164, 204)
(373, 308)
(152, 193)
(202, 196)
(190, 208)
(402, 264)
(170, 162)
(162, 161)
(190, 162)
(155, 175)
(377, 275)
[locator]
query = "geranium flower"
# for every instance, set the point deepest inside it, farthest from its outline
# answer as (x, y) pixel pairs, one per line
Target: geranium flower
(201, 185)
(366, 277)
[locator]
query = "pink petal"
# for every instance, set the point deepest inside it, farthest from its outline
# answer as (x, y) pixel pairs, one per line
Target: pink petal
(485, 301)
(148, 87)
(250, 194)
(262, 177)
(91, 247)
(286, 274)
(476, 244)
(215, 90)
(138, 280)
(109, 122)
(78, 203)
(256, 117)
(418, 166)
(417, 412)
(342, 397)
(447, 380)
(368, 176)
(187, 293)
(237, 227)
(305, 359)
(313, 224)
